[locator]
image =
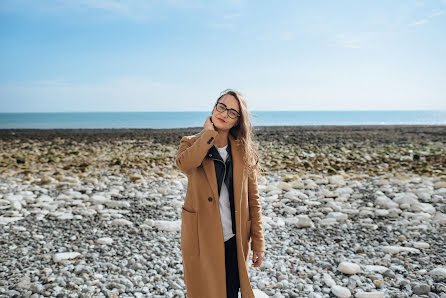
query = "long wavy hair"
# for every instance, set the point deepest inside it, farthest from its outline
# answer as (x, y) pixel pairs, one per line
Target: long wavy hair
(243, 133)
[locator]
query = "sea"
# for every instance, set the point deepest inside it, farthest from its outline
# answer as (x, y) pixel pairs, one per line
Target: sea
(196, 119)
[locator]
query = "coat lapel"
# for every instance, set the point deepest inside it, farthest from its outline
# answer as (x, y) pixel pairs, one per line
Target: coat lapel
(237, 170)
(209, 169)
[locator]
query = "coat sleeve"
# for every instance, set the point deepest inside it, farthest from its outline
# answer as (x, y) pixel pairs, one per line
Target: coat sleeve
(191, 153)
(255, 209)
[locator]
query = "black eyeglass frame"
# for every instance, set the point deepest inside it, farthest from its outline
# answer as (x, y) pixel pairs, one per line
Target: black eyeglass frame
(226, 109)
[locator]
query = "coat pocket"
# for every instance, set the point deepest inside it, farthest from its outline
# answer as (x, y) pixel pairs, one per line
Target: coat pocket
(189, 233)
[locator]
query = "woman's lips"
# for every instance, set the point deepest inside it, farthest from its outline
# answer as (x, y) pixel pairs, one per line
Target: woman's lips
(221, 120)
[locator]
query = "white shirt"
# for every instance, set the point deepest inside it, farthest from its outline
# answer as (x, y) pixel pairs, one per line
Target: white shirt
(225, 207)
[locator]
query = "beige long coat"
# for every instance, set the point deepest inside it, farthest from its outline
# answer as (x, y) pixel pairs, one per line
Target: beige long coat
(202, 243)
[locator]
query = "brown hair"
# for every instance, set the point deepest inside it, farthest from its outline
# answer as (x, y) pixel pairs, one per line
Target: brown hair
(244, 134)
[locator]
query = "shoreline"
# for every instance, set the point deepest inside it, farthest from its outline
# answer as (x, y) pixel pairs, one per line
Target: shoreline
(429, 130)
(372, 150)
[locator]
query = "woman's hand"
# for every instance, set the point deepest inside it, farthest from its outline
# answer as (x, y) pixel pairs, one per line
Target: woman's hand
(257, 258)
(208, 125)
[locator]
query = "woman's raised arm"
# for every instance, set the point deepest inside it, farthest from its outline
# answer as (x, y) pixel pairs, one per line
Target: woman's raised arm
(191, 153)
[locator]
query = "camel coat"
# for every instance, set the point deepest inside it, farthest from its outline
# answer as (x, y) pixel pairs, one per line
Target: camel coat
(202, 243)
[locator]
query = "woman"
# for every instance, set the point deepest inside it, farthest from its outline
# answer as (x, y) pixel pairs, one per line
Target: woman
(222, 210)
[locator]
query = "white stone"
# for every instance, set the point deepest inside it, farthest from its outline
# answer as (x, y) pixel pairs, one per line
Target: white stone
(310, 184)
(344, 191)
(398, 249)
(439, 271)
(423, 207)
(117, 204)
(366, 213)
(38, 237)
(280, 222)
(290, 210)
(297, 184)
(394, 212)
(421, 216)
(405, 198)
(86, 211)
(385, 202)
(13, 198)
(105, 240)
(374, 294)
(327, 221)
(121, 222)
(328, 280)
(440, 218)
(291, 220)
(304, 221)
(65, 256)
(258, 294)
(169, 226)
(311, 203)
(64, 197)
(341, 292)
(375, 268)
(420, 244)
(440, 184)
(334, 206)
(150, 222)
(176, 203)
(19, 228)
(349, 268)
(4, 202)
(65, 215)
(284, 186)
(337, 180)
(339, 216)
(7, 220)
(99, 199)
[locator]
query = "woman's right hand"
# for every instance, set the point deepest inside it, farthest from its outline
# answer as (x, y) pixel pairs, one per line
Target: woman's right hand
(208, 125)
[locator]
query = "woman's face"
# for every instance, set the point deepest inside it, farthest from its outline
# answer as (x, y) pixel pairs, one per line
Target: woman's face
(221, 120)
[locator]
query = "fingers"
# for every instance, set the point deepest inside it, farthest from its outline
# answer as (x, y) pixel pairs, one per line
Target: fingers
(257, 258)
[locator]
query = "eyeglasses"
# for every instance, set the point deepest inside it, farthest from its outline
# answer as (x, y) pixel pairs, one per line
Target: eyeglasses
(221, 107)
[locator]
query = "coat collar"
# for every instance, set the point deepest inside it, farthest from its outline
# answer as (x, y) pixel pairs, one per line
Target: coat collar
(213, 153)
(237, 168)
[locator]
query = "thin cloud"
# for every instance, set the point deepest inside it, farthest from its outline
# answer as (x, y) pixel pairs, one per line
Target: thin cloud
(421, 22)
(435, 13)
(135, 10)
(232, 15)
(49, 83)
(346, 41)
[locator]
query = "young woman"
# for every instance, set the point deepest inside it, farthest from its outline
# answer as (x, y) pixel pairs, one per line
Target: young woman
(221, 211)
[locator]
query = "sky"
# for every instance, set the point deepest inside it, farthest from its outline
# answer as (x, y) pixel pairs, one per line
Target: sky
(174, 55)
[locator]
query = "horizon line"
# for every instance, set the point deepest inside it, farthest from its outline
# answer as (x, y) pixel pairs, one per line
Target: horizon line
(253, 111)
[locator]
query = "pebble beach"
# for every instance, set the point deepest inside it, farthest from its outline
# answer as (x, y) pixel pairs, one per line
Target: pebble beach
(348, 211)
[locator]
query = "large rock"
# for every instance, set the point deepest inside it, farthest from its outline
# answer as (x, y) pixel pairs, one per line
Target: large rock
(341, 292)
(62, 256)
(349, 268)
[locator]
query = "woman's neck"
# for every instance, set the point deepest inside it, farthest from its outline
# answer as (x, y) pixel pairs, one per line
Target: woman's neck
(221, 139)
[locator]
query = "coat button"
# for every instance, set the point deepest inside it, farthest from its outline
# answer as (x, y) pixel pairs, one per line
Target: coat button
(210, 140)
(210, 199)
(210, 155)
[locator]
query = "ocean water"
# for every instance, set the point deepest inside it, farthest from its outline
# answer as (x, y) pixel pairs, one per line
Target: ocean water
(196, 119)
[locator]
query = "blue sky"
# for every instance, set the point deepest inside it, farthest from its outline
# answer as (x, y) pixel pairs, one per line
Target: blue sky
(135, 55)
